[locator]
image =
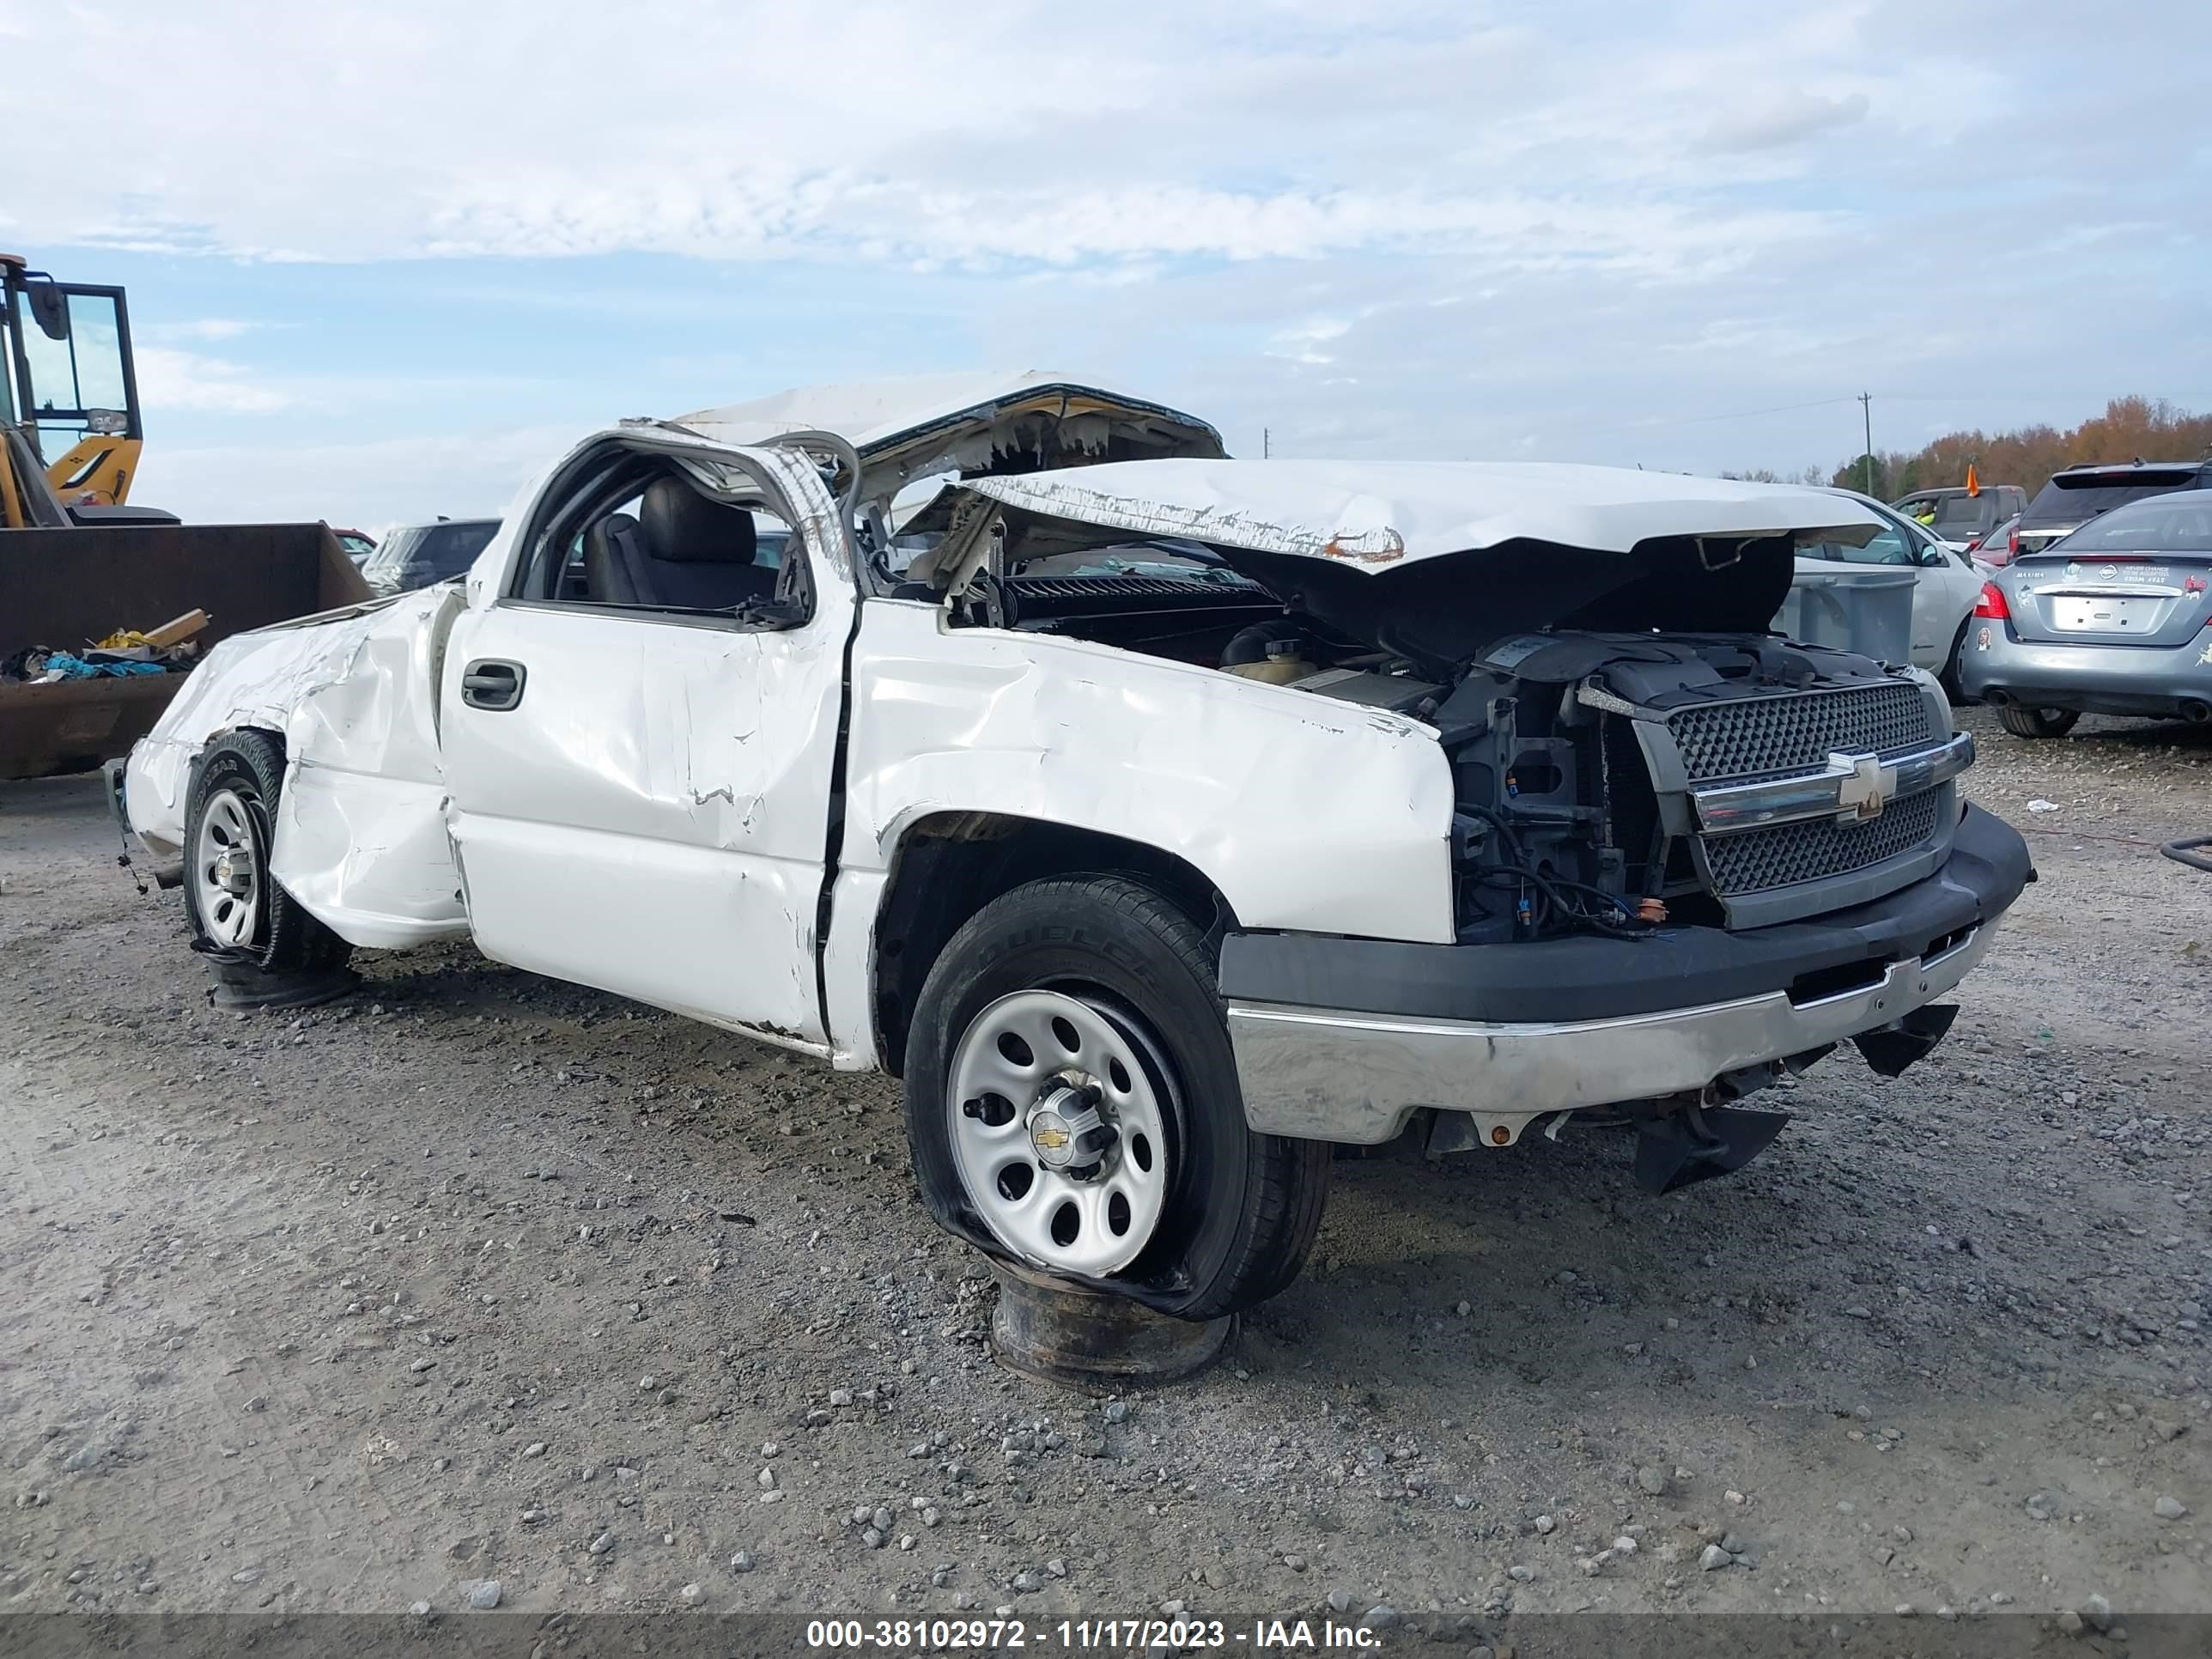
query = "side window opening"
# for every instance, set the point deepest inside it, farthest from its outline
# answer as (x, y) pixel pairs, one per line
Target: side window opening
(639, 534)
(1885, 546)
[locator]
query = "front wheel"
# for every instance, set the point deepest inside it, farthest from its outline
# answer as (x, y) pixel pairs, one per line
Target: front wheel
(2023, 722)
(1073, 1105)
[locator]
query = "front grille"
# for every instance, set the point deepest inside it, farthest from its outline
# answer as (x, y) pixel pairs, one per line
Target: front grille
(1759, 861)
(1759, 737)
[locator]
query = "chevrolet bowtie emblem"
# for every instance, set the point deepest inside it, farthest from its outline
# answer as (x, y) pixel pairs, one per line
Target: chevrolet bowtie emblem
(1869, 787)
(1051, 1140)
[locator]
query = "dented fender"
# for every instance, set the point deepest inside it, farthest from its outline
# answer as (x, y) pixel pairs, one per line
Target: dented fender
(1307, 814)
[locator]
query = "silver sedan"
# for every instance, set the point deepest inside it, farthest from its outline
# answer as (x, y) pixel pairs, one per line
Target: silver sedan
(2114, 619)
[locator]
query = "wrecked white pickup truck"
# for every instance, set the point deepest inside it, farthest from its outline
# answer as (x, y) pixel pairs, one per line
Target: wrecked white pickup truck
(1160, 819)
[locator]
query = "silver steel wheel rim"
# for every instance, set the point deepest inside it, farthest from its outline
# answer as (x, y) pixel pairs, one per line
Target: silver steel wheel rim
(227, 876)
(1009, 1113)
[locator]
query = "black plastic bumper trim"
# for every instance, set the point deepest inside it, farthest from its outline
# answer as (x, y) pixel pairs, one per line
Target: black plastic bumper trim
(1597, 978)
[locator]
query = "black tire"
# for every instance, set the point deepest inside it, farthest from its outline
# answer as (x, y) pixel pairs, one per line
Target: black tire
(1242, 1208)
(2023, 722)
(1948, 679)
(283, 940)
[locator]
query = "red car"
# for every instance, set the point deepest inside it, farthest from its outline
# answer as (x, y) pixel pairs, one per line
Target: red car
(2001, 546)
(358, 544)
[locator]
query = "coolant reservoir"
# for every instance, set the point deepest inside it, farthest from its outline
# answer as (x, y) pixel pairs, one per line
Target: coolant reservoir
(1281, 666)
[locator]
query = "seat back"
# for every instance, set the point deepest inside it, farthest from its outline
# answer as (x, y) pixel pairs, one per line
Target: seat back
(610, 551)
(699, 554)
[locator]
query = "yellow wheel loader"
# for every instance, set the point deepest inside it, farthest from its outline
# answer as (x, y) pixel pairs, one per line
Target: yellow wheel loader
(82, 568)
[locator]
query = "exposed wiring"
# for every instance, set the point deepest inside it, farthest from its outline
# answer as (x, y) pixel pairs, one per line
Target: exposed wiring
(1553, 889)
(1621, 918)
(123, 859)
(1628, 910)
(1497, 821)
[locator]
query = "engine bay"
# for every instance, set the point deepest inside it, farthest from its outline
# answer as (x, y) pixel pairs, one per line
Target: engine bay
(1572, 749)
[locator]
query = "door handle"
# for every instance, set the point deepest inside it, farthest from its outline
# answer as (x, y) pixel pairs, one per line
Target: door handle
(492, 684)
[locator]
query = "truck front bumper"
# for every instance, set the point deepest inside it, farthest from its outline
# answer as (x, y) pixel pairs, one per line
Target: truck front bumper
(1343, 1039)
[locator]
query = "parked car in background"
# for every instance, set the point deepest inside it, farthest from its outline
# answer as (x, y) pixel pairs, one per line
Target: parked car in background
(357, 544)
(1946, 587)
(2079, 494)
(1999, 547)
(1958, 517)
(417, 554)
(2114, 619)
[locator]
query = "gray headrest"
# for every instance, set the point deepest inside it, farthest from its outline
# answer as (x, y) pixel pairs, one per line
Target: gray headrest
(683, 526)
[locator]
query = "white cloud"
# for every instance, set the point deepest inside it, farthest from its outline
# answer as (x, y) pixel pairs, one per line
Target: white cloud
(1031, 132)
(170, 378)
(202, 328)
(1428, 227)
(1301, 342)
(400, 480)
(1777, 121)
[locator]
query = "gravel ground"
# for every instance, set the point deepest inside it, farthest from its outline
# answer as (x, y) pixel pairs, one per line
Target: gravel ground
(476, 1277)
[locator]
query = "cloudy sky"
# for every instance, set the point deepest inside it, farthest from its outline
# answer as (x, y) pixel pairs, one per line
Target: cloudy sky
(383, 259)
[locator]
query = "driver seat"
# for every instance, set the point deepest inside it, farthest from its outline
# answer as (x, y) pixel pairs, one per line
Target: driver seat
(684, 551)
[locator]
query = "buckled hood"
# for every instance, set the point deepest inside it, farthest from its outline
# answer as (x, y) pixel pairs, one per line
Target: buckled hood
(1435, 559)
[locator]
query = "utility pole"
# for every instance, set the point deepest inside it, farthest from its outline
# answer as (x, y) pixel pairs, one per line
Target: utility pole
(1266, 444)
(1866, 408)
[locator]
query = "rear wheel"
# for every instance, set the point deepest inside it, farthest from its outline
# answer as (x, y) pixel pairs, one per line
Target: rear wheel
(1073, 1105)
(1948, 679)
(237, 913)
(2023, 722)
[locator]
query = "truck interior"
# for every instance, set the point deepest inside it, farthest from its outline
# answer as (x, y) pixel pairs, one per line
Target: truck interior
(640, 530)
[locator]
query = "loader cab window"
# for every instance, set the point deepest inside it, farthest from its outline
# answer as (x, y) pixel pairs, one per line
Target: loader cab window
(73, 342)
(639, 537)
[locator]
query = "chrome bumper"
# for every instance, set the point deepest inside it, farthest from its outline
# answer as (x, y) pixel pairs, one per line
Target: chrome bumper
(1319, 1074)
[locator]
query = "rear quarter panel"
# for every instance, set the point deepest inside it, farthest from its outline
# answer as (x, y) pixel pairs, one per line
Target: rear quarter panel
(360, 839)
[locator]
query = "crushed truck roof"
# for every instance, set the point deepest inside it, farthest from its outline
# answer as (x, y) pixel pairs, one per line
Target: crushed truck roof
(919, 426)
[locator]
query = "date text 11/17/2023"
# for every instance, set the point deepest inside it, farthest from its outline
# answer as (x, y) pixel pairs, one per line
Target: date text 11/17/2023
(941, 1635)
